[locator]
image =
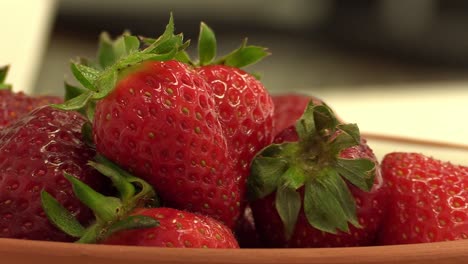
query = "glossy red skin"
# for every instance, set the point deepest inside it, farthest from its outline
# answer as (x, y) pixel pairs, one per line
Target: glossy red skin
(176, 229)
(429, 200)
(161, 124)
(245, 110)
(289, 108)
(370, 210)
(14, 105)
(34, 152)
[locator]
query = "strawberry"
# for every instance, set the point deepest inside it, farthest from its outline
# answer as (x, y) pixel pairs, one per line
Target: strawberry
(176, 229)
(35, 150)
(170, 127)
(314, 181)
(428, 200)
(169, 134)
(155, 117)
(245, 111)
(243, 104)
(131, 218)
(289, 107)
(16, 104)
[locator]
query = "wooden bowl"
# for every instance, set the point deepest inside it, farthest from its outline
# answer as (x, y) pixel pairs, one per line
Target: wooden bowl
(22, 251)
(453, 252)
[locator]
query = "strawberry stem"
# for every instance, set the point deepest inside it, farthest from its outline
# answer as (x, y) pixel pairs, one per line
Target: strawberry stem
(112, 213)
(103, 207)
(206, 45)
(312, 163)
(115, 59)
(60, 216)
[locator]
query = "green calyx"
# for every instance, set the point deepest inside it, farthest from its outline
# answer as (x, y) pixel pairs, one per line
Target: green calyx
(313, 165)
(112, 213)
(243, 56)
(114, 59)
(3, 74)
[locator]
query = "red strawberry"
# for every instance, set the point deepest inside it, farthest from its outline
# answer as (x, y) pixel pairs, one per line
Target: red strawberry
(163, 118)
(14, 105)
(127, 220)
(35, 151)
(318, 177)
(245, 112)
(289, 108)
(176, 129)
(176, 229)
(428, 200)
(243, 104)
(158, 120)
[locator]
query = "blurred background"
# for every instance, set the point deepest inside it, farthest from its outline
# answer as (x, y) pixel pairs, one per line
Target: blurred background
(395, 67)
(314, 43)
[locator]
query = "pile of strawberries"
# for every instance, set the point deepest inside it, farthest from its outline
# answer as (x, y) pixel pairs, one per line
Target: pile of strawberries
(155, 148)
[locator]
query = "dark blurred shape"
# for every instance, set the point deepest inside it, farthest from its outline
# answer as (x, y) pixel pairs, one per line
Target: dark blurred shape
(429, 31)
(315, 43)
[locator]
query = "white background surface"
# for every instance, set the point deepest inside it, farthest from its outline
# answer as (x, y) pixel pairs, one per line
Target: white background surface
(26, 24)
(427, 111)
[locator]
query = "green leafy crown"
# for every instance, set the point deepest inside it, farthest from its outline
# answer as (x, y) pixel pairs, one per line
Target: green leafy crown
(313, 164)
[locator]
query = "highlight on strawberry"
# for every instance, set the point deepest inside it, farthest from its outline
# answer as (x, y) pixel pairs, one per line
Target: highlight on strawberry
(428, 200)
(35, 151)
(188, 128)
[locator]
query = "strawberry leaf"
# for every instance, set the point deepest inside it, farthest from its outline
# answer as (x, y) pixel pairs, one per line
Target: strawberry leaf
(305, 126)
(133, 222)
(3, 74)
(85, 75)
(112, 214)
(346, 138)
(72, 91)
(288, 205)
(360, 172)
(244, 56)
(90, 110)
(75, 103)
(106, 83)
(110, 52)
(207, 48)
(313, 164)
(352, 130)
(183, 56)
(326, 122)
(293, 178)
(206, 45)
(125, 188)
(265, 172)
(61, 217)
(102, 206)
(140, 194)
(328, 203)
(162, 46)
(116, 58)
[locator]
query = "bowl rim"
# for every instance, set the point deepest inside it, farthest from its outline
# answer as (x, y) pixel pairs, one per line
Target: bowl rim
(436, 252)
(20, 251)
